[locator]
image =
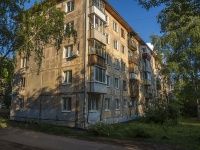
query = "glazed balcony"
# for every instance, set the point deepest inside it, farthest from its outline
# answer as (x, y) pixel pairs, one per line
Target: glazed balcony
(94, 59)
(147, 82)
(132, 44)
(133, 76)
(146, 56)
(146, 69)
(98, 12)
(133, 59)
(96, 87)
(134, 94)
(133, 68)
(95, 34)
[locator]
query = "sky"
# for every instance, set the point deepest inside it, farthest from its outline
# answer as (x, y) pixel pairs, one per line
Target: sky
(142, 21)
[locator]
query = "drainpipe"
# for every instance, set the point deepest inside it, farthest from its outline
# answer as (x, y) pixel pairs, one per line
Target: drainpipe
(85, 65)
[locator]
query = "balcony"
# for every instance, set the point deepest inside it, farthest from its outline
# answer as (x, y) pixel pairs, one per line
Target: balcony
(133, 68)
(95, 34)
(146, 69)
(134, 94)
(132, 59)
(147, 82)
(148, 95)
(146, 56)
(158, 83)
(99, 13)
(95, 87)
(133, 76)
(132, 44)
(96, 60)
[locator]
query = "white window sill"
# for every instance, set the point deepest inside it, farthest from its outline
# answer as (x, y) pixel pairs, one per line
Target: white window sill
(117, 109)
(66, 111)
(108, 86)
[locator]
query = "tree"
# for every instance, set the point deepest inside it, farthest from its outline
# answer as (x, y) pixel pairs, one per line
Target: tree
(28, 32)
(180, 43)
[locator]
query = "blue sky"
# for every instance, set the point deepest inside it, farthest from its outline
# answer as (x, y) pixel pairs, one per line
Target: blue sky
(142, 21)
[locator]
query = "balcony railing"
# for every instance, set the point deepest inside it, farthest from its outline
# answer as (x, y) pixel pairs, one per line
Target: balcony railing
(132, 44)
(133, 68)
(98, 12)
(96, 60)
(147, 69)
(133, 76)
(133, 59)
(95, 34)
(95, 87)
(134, 94)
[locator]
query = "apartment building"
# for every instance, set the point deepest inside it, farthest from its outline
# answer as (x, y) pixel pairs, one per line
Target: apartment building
(108, 75)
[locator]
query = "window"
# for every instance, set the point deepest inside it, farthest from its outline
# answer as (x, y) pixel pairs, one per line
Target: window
(70, 6)
(108, 81)
(117, 104)
(93, 104)
(107, 103)
(124, 85)
(116, 44)
(23, 62)
(99, 4)
(115, 27)
(107, 20)
(69, 26)
(66, 104)
(132, 102)
(107, 59)
(117, 83)
(147, 76)
(123, 49)
(100, 74)
(21, 103)
(107, 38)
(68, 51)
(23, 82)
(125, 102)
(67, 77)
(123, 66)
(122, 33)
(97, 48)
(98, 24)
(116, 63)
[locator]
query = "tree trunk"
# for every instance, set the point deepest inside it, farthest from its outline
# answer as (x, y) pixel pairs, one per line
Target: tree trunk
(198, 109)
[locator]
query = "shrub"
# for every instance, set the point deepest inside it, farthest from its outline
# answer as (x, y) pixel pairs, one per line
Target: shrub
(101, 129)
(138, 130)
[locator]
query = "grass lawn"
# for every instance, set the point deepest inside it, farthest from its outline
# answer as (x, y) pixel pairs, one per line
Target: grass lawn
(184, 135)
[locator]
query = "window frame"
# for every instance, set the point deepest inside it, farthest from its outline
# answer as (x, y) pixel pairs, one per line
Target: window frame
(107, 80)
(122, 33)
(66, 52)
(117, 104)
(71, 5)
(66, 77)
(116, 44)
(116, 63)
(66, 104)
(107, 104)
(23, 62)
(93, 104)
(115, 26)
(116, 83)
(22, 83)
(123, 49)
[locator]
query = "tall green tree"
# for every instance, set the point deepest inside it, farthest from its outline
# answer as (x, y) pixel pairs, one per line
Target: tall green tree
(28, 32)
(180, 43)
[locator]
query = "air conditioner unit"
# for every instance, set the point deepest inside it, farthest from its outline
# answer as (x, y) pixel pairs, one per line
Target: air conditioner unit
(75, 53)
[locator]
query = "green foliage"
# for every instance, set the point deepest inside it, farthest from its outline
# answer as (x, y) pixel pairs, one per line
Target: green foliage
(101, 129)
(169, 115)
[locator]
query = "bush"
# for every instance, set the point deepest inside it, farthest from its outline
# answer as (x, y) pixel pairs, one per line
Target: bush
(168, 115)
(101, 129)
(138, 131)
